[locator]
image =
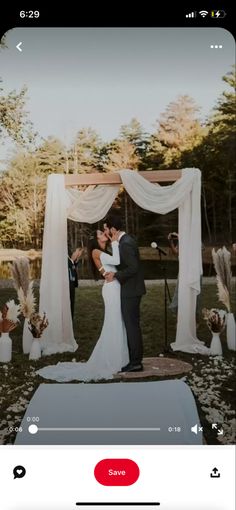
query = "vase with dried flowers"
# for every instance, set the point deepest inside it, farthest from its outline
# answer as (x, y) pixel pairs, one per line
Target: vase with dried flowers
(35, 322)
(216, 320)
(8, 321)
(222, 264)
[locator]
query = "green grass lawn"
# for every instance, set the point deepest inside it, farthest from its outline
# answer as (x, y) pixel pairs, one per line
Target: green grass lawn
(88, 321)
(89, 318)
(18, 380)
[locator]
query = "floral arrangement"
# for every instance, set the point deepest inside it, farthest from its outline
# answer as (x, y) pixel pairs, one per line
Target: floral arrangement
(24, 288)
(215, 319)
(37, 324)
(9, 316)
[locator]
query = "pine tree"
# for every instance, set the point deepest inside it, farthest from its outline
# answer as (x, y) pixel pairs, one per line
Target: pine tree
(84, 155)
(122, 154)
(134, 134)
(177, 130)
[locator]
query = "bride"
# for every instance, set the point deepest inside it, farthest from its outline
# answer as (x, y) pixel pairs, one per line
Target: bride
(111, 351)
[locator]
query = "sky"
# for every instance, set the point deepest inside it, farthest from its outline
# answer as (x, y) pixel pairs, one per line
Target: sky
(103, 77)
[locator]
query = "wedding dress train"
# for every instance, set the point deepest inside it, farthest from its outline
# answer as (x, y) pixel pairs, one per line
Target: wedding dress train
(111, 350)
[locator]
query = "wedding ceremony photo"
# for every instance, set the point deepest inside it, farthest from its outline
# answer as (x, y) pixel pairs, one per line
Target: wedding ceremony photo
(117, 237)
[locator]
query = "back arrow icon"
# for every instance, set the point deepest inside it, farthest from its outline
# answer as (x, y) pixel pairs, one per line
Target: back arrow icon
(18, 46)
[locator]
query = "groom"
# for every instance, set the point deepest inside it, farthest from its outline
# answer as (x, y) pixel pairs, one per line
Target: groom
(130, 276)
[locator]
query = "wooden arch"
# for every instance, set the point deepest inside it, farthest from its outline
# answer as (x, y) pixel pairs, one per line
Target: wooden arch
(114, 178)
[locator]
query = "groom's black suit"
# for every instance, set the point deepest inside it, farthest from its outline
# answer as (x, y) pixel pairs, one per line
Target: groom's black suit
(130, 276)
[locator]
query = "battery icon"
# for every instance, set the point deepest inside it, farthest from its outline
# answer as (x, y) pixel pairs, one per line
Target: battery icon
(218, 14)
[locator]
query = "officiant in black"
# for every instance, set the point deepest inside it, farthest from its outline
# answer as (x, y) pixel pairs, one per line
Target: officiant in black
(73, 263)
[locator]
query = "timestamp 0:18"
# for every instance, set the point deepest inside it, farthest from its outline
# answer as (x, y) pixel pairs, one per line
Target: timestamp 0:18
(174, 429)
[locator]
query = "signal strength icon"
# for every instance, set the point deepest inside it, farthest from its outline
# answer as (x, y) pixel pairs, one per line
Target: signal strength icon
(191, 15)
(203, 13)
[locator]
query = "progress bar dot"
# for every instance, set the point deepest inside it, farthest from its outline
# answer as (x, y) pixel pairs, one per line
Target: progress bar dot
(33, 429)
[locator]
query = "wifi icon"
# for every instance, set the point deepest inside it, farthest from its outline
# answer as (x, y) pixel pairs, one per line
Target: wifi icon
(203, 13)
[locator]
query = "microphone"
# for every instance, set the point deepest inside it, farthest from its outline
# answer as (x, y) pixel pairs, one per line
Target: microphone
(155, 245)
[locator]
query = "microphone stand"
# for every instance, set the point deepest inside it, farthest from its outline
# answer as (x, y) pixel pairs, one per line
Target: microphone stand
(166, 294)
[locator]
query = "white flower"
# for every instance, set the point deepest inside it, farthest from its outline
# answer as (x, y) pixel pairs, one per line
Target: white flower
(222, 314)
(13, 311)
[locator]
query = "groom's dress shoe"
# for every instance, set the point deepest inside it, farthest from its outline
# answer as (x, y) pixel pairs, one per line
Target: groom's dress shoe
(125, 369)
(134, 368)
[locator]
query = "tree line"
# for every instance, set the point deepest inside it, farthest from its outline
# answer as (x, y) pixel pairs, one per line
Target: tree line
(179, 140)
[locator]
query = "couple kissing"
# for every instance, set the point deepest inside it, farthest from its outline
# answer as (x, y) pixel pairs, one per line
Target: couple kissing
(119, 347)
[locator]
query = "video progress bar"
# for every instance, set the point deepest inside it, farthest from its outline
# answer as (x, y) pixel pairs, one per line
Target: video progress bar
(119, 504)
(33, 429)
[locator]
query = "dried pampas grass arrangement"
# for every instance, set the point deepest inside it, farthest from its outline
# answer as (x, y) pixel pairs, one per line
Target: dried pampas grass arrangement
(20, 273)
(222, 264)
(24, 288)
(25, 292)
(27, 302)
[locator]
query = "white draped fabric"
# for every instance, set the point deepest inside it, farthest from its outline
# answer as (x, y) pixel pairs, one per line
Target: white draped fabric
(184, 194)
(92, 205)
(54, 286)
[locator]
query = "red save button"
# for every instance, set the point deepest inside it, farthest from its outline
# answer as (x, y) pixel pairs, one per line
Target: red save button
(116, 472)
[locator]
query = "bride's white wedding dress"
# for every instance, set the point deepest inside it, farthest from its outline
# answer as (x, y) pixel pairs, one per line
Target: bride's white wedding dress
(111, 350)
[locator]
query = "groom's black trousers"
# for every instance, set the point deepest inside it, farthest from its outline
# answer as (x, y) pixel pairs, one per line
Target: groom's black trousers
(130, 307)
(72, 298)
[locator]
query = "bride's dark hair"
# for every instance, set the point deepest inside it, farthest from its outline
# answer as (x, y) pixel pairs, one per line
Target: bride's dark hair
(92, 244)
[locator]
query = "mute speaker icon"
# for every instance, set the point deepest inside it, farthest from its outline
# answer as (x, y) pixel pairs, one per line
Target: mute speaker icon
(194, 429)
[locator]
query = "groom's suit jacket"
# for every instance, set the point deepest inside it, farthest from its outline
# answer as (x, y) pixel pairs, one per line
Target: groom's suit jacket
(129, 273)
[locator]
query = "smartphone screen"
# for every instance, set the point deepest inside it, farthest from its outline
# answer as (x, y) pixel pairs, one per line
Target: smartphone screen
(117, 262)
